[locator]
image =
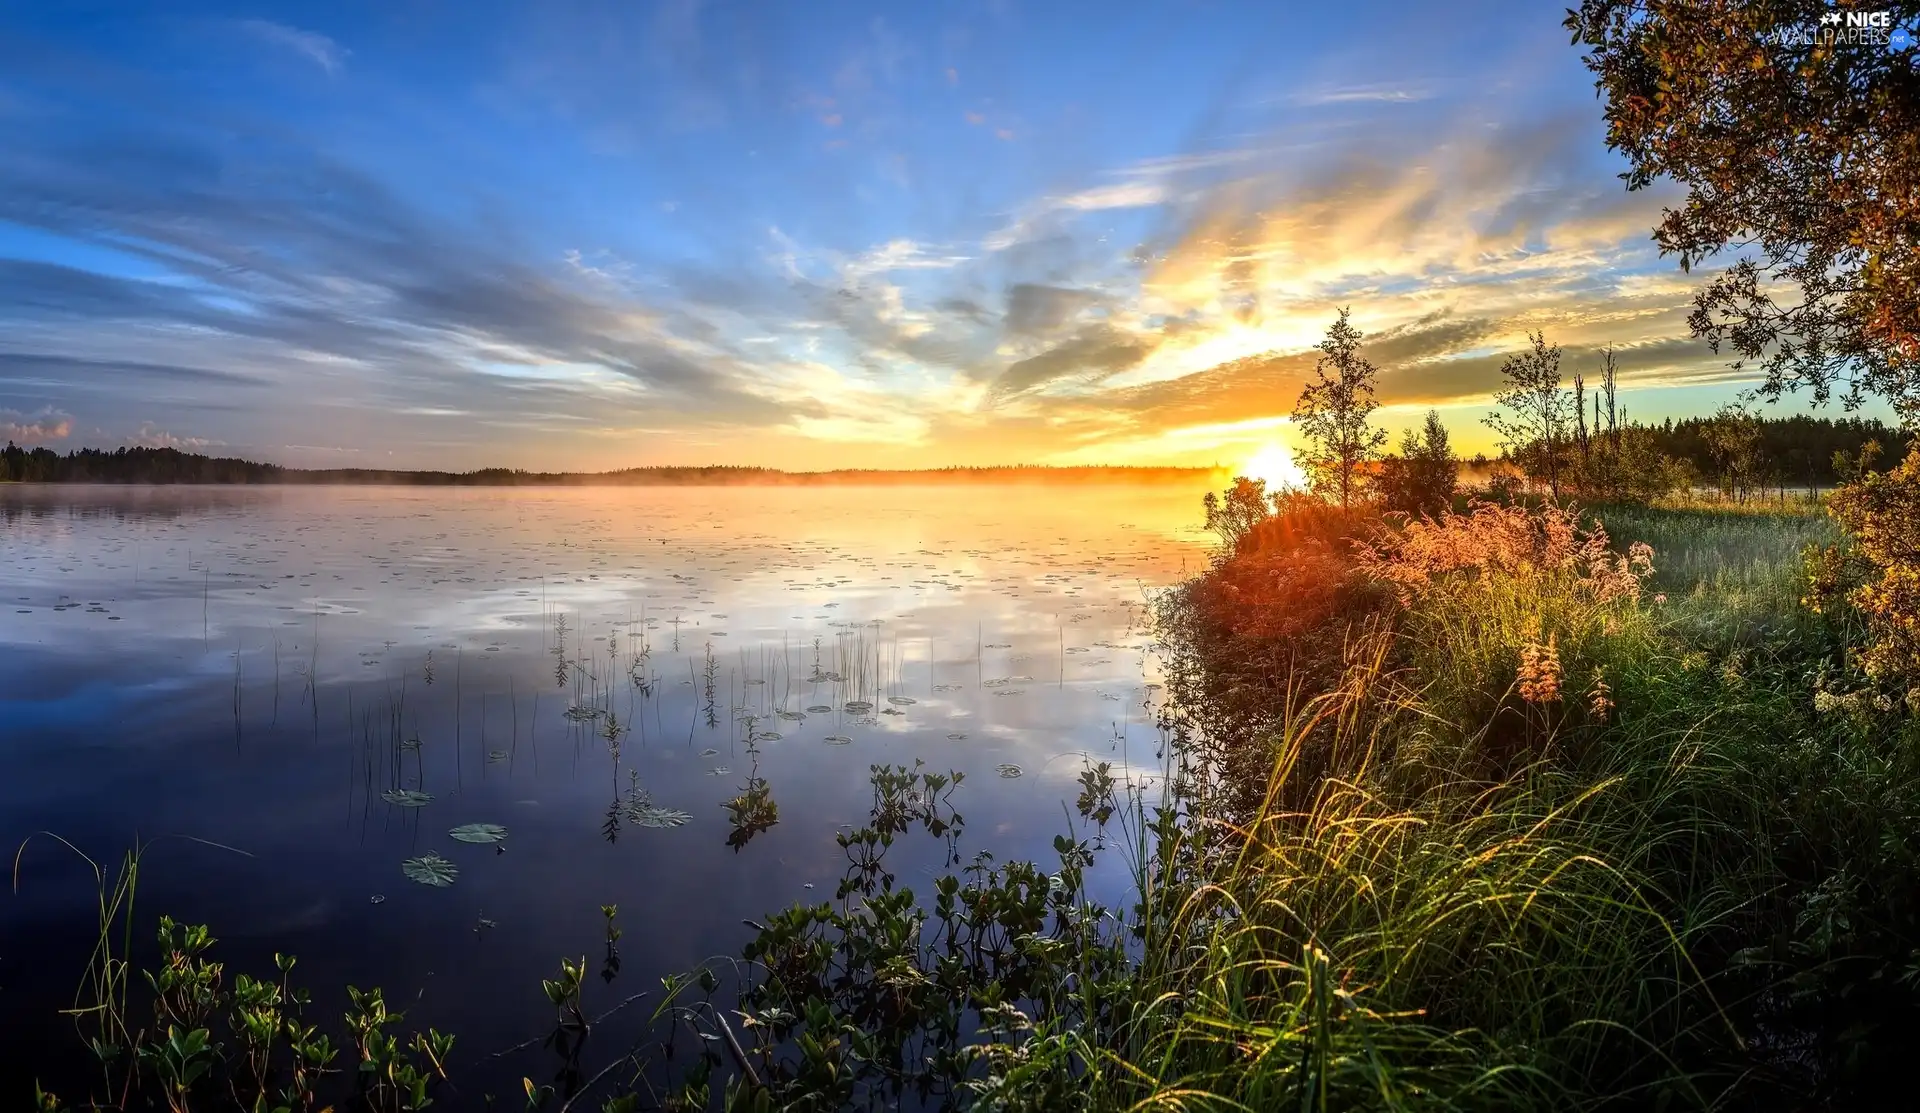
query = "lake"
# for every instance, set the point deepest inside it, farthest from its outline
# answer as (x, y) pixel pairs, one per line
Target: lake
(326, 681)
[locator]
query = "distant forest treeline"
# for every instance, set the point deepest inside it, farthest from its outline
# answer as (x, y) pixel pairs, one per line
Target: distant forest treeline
(167, 465)
(1801, 450)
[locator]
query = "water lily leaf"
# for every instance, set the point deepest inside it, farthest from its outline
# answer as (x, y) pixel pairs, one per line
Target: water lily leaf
(483, 834)
(496, 755)
(765, 736)
(407, 797)
(582, 714)
(650, 816)
(836, 740)
(1010, 771)
(858, 706)
(708, 752)
(820, 709)
(430, 869)
(902, 701)
(791, 716)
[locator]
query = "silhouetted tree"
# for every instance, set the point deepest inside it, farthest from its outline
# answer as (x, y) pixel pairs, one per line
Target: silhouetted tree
(1333, 413)
(1535, 413)
(1422, 478)
(1245, 506)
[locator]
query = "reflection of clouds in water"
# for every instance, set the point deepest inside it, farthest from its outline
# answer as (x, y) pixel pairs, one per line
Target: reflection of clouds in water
(1011, 618)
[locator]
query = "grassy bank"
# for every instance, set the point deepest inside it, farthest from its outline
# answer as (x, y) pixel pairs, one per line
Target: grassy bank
(1501, 812)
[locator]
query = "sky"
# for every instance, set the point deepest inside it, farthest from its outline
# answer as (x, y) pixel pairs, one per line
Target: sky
(579, 235)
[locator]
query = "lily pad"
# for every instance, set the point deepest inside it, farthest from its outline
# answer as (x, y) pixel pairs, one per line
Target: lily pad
(649, 816)
(791, 716)
(483, 834)
(858, 706)
(407, 797)
(765, 736)
(902, 701)
(836, 740)
(430, 869)
(1009, 771)
(582, 714)
(820, 709)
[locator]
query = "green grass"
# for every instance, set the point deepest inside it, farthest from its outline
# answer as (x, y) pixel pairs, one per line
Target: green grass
(1721, 548)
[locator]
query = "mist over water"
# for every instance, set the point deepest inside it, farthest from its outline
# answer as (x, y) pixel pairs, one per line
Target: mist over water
(276, 670)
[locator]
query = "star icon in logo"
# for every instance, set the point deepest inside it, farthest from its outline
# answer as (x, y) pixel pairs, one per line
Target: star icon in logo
(1829, 17)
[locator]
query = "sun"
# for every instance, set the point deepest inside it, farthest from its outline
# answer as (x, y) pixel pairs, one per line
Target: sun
(1274, 464)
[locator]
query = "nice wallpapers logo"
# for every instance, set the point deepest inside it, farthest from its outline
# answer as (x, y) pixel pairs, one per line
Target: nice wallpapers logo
(1848, 28)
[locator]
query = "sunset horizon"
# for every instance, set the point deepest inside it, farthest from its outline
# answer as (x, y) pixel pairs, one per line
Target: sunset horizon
(597, 238)
(1003, 556)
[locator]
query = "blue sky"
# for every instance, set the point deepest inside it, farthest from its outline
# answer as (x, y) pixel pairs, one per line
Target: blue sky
(805, 235)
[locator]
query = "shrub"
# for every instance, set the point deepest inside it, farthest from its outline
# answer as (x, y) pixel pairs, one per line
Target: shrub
(1881, 512)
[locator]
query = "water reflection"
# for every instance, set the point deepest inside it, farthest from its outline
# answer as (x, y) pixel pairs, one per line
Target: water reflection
(289, 671)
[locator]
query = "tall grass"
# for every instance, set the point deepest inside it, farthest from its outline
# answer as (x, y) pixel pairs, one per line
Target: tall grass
(1562, 841)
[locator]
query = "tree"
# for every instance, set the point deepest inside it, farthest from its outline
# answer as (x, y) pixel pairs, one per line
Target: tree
(1797, 141)
(1534, 415)
(1332, 416)
(1422, 478)
(1733, 440)
(1245, 506)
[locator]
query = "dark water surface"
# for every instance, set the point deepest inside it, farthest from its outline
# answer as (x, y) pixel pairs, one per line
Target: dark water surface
(251, 667)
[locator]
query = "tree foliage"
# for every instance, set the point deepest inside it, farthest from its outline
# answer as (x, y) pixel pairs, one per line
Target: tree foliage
(1422, 478)
(1232, 517)
(1881, 512)
(1799, 146)
(1535, 415)
(1332, 415)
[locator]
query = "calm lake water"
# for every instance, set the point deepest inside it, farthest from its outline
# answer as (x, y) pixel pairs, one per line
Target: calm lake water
(271, 668)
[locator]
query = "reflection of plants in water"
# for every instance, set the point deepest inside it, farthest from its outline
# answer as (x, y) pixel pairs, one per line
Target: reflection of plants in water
(611, 730)
(637, 666)
(754, 811)
(708, 674)
(569, 1036)
(610, 966)
(866, 1003)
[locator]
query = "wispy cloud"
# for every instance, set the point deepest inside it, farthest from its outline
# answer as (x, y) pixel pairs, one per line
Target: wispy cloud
(1361, 94)
(320, 49)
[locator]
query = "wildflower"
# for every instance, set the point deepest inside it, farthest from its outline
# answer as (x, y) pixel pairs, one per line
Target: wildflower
(1540, 672)
(1660, 598)
(1883, 702)
(1825, 701)
(1913, 700)
(1600, 697)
